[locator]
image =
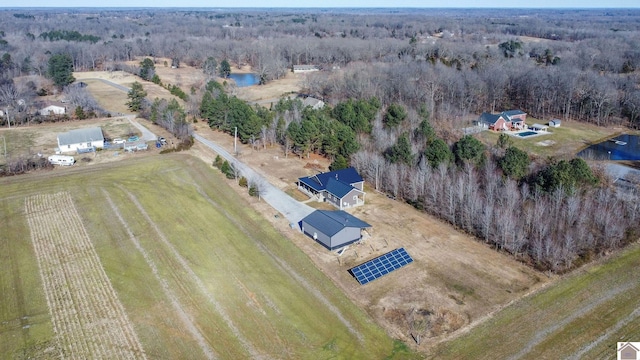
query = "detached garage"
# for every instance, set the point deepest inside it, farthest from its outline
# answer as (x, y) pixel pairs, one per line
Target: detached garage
(333, 229)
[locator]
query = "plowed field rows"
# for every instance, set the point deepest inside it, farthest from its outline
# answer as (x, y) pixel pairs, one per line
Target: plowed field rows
(88, 319)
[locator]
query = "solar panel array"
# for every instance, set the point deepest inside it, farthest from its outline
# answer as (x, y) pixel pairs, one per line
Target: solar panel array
(382, 265)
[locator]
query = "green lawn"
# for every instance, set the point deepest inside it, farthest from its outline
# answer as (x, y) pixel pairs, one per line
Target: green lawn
(582, 316)
(568, 139)
(248, 291)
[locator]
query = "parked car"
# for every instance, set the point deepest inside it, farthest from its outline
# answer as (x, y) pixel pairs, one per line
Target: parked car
(162, 140)
(133, 138)
(119, 141)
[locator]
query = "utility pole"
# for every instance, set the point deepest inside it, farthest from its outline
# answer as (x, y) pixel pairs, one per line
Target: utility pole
(8, 120)
(235, 142)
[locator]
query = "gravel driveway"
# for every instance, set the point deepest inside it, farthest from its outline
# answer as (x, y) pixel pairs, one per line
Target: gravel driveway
(292, 209)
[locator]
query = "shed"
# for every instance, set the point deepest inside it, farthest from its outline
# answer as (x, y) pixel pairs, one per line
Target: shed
(333, 229)
(554, 123)
(539, 127)
(80, 139)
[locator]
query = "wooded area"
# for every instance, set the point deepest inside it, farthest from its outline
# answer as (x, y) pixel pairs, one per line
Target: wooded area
(400, 85)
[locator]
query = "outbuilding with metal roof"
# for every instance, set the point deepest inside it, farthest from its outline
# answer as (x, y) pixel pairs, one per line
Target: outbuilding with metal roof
(333, 229)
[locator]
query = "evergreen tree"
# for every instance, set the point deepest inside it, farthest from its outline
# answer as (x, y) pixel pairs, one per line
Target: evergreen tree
(394, 116)
(136, 95)
(469, 149)
(225, 69)
(401, 151)
(147, 69)
(80, 114)
(515, 163)
(438, 152)
(61, 69)
(339, 163)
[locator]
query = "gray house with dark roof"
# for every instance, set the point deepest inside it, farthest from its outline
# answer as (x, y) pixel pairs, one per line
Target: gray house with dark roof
(80, 139)
(341, 188)
(333, 229)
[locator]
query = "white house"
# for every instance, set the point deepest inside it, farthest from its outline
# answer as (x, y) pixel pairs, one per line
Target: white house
(86, 138)
(52, 110)
(305, 68)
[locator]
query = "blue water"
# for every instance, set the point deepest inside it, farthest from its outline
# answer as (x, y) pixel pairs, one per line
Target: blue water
(609, 150)
(243, 80)
(526, 133)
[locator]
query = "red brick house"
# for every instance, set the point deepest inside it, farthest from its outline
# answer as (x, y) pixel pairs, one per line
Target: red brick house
(505, 121)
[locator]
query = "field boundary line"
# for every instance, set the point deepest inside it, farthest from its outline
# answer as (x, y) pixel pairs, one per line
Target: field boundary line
(629, 318)
(88, 319)
(285, 267)
(182, 314)
(543, 334)
(194, 277)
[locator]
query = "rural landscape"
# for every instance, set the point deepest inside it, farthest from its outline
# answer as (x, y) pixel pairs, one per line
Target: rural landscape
(200, 183)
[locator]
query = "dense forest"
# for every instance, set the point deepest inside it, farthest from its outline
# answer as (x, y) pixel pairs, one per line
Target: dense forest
(400, 85)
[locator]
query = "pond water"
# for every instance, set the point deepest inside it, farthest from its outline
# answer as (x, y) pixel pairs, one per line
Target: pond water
(243, 80)
(623, 147)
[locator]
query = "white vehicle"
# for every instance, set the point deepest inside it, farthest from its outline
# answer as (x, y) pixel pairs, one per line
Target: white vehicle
(119, 141)
(61, 160)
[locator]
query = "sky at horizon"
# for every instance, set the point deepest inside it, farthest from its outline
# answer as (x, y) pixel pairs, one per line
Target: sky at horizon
(579, 4)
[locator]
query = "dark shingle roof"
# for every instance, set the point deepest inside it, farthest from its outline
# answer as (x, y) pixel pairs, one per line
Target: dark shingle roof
(80, 136)
(513, 112)
(331, 222)
(319, 182)
(488, 118)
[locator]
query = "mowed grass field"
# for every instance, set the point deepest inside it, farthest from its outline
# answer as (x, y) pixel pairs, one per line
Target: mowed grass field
(192, 270)
(565, 141)
(582, 316)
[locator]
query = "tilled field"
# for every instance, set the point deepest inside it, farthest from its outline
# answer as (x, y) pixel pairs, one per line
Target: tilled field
(88, 318)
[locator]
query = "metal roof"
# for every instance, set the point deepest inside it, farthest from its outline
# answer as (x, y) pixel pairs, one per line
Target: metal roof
(338, 188)
(331, 222)
(319, 181)
(78, 136)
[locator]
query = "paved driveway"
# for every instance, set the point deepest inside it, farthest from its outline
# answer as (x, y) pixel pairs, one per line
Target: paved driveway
(292, 209)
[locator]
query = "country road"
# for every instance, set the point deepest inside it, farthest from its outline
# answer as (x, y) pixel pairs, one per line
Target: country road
(292, 209)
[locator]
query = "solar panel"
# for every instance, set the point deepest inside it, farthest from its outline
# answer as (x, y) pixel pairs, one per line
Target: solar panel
(382, 265)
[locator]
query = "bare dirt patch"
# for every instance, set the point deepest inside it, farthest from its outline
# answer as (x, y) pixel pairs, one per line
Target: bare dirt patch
(456, 279)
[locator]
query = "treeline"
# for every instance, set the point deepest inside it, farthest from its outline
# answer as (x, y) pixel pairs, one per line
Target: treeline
(553, 215)
(68, 35)
(582, 64)
(298, 129)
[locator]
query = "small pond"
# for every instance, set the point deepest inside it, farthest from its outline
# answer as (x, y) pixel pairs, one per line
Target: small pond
(247, 79)
(622, 147)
